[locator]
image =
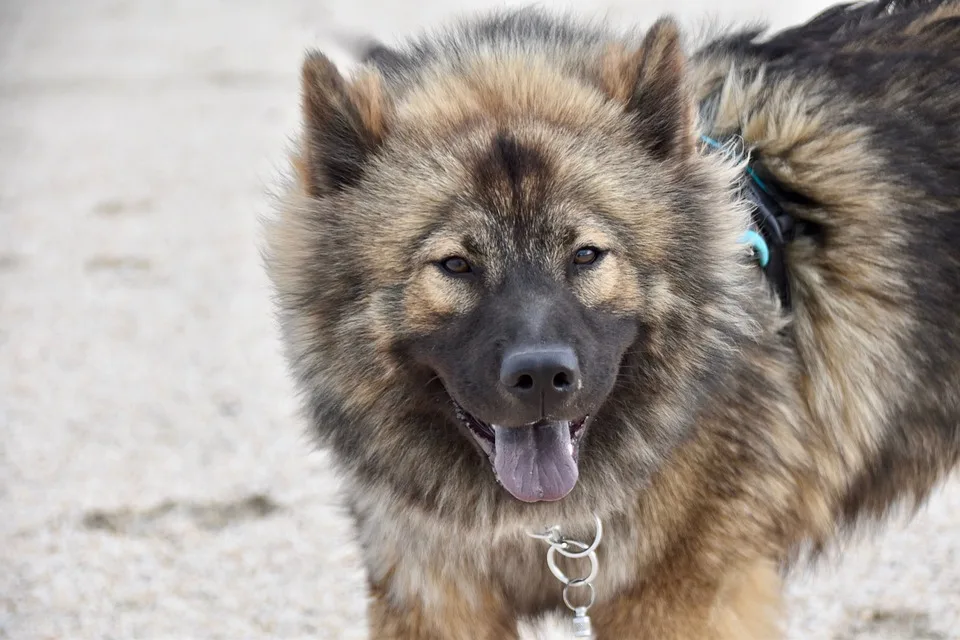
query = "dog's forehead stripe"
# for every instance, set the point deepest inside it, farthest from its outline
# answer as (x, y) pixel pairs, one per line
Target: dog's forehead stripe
(510, 162)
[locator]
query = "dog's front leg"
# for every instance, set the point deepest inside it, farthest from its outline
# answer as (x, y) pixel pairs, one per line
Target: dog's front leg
(439, 612)
(744, 605)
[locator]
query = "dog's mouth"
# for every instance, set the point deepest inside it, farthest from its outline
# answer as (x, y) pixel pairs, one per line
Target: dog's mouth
(534, 462)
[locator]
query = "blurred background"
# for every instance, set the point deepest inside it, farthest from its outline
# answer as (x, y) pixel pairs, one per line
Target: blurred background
(155, 480)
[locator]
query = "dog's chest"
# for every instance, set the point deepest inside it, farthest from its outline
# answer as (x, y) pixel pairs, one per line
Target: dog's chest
(424, 563)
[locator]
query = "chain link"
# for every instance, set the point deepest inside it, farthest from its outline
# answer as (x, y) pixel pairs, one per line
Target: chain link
(559, 544)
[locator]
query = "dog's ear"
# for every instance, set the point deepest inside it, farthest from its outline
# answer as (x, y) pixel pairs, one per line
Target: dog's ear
(651, 82)
(343, 124)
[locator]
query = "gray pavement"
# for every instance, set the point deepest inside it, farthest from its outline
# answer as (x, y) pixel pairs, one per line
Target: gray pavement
(155, 480)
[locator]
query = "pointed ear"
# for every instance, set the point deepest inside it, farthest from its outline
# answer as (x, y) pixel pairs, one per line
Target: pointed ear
(343, 125)
(652, 83)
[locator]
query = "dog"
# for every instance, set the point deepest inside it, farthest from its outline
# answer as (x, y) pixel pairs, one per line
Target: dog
(530, 269)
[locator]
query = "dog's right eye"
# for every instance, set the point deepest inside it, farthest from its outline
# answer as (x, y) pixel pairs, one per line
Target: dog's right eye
(456, 265)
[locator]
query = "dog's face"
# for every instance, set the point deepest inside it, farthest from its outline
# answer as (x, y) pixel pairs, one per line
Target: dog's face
(524, 299)
(509, 266)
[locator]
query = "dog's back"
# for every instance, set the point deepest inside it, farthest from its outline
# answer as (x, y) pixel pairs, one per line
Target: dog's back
(857, 114)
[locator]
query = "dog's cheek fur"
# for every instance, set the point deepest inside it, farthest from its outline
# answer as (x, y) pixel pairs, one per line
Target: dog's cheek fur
(432, 299)
(613, 285)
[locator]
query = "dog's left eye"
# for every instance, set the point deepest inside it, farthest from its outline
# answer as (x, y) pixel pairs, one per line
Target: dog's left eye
(586, 255)
(456, 265)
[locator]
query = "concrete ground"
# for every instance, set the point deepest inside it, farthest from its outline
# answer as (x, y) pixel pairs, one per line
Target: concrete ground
(154, 479)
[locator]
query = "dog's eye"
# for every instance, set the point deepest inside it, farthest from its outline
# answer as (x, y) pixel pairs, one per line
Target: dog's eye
(456, 265)
(586, 255)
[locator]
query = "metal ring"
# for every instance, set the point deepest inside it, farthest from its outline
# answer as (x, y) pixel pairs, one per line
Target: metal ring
(587, 550)
(559, 575)
(578, 583)
(550, 535)
(563, 545)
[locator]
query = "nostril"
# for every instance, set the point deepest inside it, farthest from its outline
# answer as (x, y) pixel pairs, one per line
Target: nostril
(536, 375)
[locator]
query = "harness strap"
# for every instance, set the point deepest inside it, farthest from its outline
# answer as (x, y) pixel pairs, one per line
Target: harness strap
(772, 227)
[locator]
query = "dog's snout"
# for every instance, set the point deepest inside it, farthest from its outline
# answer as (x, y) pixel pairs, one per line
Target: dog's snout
(541, 376)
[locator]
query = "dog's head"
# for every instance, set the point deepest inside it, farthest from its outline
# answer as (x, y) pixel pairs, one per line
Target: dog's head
(513, 257)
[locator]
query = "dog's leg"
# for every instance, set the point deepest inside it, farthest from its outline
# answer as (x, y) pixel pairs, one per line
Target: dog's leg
(678, 607)
(450, 616)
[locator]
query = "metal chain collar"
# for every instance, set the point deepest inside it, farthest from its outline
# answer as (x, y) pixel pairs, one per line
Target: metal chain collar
(573, 549)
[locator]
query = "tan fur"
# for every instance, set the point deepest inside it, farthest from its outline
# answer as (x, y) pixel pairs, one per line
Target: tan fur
(501, 89)
(452, 619)
(745, 606)
(945, 12)
(432, 297)
(366, 91)
(617, 71)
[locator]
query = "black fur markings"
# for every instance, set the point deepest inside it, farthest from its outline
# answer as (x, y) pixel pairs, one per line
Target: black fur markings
(510, 159)
(344, 152)
(338, 142)
(516, 159)
(657, 112)
(512, 177)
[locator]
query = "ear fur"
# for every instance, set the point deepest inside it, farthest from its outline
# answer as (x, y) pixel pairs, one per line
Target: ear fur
(343, 125)
(651, 82)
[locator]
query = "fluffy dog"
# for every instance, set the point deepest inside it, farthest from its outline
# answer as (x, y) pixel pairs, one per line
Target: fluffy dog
(530, 269)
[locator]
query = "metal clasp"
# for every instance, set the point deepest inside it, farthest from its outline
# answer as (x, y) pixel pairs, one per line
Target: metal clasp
(563, 546)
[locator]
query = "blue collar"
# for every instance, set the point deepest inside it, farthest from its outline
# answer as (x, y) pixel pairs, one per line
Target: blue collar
(772, 228)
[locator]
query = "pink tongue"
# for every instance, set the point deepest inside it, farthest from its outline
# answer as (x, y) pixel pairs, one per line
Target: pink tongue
(535, 463)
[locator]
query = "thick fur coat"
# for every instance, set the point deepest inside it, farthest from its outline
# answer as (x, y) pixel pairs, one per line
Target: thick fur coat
(526, 179)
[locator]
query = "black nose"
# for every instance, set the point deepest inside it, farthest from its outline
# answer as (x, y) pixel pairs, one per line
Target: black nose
(541, 376)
